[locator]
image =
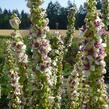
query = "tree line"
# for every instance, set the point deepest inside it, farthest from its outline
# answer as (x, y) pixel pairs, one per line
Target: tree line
(55, 12)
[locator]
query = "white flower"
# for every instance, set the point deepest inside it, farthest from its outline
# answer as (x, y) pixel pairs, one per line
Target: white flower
(20, 55)
(100, 40)
(90, 58)
(51, 99)
(25, 60)
(18, 100)
(19, 43)
(48, 71)
(104, 45)
(106, 107)
(11, 71)
(47, 29)
(54, 63)
(50, 82)
(49, 48)
(23, 47)
(17, 91)
(44, 36)
(15, 22)
(104, 71)
(58, 97)
(57, 51)
(103, 63)
(95, 54)
(81, 34)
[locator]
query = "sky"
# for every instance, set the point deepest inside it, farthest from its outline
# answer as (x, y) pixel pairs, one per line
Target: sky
(21, 4)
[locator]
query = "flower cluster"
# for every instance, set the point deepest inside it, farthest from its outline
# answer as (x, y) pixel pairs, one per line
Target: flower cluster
(93, 62)
(19, 50)
(94, 49)
(18, 45)
(14, 22)
(99, 25)
(75, 79)
(76, 85)
(73, 85)
(71, 26)
(56, 55)
(94, 95)
(16, 88)
(14, 81)
(41, 61)
(41, 46)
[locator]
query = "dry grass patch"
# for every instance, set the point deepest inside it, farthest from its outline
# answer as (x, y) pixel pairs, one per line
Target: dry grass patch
(26, 32)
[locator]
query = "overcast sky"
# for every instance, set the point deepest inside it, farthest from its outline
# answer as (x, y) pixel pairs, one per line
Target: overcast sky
(21, 4)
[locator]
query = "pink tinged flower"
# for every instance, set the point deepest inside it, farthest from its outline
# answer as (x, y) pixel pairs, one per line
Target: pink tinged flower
(106, 106)
(97, 62)
(101, 54)
(100, 57)
(23, 58)
(44, 66)
(46, 29)
(83, 29)
(97, 45)
(96, 55)
(19, 45)
(102, 32)
(81, 47)
(36, 44)
(13, 44)
(39, 32)
(90, 51)
(87, 66)
(100, 40)
(46, 59)
(45, 43)
(17, 91)
(102, 51)
(42, 50)
(97, 23)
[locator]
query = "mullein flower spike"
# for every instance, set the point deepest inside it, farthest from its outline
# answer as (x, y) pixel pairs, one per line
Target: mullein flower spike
(41, 61)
